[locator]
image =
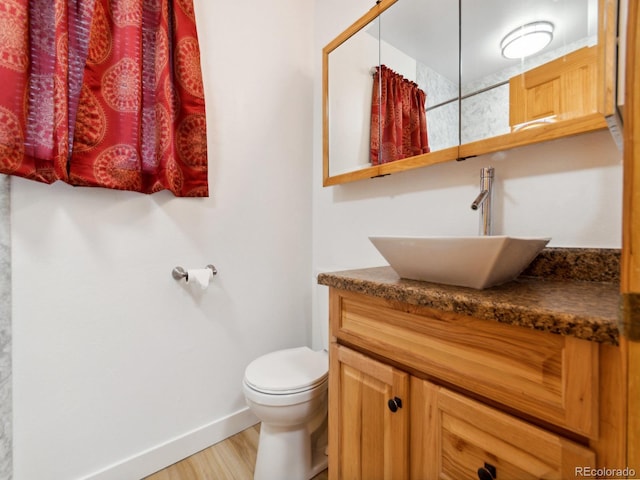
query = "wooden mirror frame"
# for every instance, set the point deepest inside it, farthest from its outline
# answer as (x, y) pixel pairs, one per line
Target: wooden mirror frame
(606, 53)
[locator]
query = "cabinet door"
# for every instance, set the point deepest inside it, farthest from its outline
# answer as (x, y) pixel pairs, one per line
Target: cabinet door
(562, 89)
(466, 435)
(368, 419)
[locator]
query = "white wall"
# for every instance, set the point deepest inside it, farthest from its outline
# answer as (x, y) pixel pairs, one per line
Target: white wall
(569, 189)
(118, 368)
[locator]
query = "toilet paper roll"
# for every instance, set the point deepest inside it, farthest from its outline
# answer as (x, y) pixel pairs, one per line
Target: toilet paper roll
(200, 277)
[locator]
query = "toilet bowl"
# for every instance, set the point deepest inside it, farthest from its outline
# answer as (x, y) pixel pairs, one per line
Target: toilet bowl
(287, 391)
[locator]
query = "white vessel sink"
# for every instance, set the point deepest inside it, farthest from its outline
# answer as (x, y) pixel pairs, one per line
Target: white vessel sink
(476, 262)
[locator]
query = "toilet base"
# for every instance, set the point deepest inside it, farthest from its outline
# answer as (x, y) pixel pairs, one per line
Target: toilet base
(290, 454)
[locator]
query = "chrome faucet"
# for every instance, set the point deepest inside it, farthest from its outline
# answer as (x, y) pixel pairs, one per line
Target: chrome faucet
(484, 200)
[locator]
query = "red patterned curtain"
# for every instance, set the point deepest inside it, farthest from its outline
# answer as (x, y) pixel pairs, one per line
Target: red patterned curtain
(398, 118)
(104, 93)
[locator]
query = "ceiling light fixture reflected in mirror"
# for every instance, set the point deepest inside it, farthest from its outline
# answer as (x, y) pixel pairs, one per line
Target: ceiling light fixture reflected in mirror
(527, 39)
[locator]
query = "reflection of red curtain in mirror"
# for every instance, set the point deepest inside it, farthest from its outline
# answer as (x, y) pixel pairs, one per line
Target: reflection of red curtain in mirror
(104, 93)
(398, 118)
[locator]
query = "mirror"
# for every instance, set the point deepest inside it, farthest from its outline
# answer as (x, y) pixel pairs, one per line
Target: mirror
(477, 101)
(616, 120)
(350, 92)
(419, 41)
(352, 86)
(622, 51)
(489, 78)
(525, 99)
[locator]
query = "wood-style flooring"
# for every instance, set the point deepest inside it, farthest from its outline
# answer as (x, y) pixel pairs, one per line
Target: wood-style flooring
(231, 459)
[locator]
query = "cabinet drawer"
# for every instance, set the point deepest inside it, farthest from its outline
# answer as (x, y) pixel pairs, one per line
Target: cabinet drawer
(523, 369)
(466, 435)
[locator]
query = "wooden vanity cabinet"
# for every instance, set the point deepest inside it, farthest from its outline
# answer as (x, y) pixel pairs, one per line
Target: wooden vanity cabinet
(421, 394)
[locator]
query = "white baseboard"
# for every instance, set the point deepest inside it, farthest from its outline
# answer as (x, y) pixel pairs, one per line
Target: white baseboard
(157, 458)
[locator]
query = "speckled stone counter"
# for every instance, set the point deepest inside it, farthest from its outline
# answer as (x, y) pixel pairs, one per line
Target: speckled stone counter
(555, 294)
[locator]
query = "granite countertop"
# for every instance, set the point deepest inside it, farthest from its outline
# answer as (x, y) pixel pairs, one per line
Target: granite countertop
(556, 294)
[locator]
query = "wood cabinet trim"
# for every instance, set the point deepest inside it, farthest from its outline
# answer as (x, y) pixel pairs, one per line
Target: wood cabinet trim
(630, 267)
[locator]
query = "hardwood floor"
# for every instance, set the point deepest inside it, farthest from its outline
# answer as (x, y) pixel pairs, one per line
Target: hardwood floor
(231, 459)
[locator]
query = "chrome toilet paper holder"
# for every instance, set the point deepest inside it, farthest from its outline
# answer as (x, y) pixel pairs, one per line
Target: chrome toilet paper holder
(179, 273)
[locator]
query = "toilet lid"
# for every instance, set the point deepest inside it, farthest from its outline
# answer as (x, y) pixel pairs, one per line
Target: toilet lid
(288, 371)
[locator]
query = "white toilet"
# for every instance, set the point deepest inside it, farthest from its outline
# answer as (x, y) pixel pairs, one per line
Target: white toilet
(287, 391)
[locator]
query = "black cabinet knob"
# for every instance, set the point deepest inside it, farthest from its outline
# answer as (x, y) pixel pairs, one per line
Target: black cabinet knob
(394, 404)
(488, 472)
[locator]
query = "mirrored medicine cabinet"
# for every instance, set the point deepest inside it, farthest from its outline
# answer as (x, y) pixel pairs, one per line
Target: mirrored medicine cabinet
(475, 100)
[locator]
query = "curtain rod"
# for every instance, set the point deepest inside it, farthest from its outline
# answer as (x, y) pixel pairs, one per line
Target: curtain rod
(468, 95)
